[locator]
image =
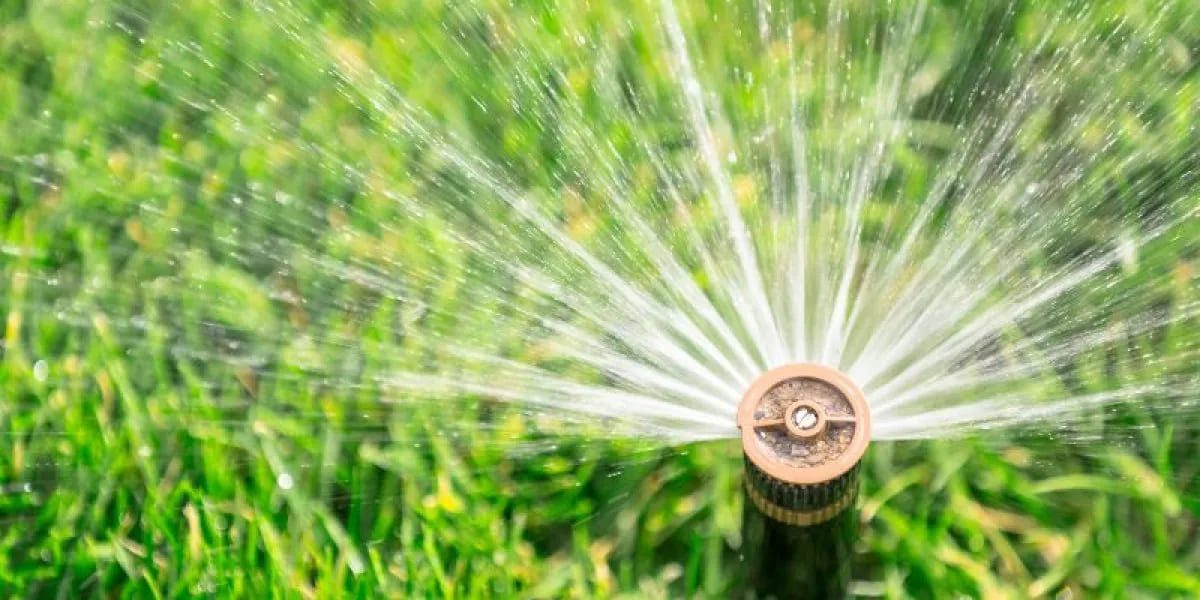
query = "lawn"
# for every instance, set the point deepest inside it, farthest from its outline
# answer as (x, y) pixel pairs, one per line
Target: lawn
(211, 269)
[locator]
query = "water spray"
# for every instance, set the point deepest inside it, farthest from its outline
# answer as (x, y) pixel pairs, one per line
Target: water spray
(804, 431)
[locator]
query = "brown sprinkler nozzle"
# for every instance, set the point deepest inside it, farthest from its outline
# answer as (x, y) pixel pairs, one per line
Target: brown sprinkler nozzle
(805, 429)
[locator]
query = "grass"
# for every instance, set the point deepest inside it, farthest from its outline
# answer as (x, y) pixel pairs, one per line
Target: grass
(189, 404)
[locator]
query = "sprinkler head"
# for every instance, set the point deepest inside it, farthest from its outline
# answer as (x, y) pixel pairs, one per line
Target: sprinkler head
(804, 430)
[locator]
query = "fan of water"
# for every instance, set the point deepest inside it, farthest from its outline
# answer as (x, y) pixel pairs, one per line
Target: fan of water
(615, 224)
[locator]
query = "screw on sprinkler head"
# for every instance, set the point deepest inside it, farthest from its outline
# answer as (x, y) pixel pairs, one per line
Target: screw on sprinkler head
(804, 430)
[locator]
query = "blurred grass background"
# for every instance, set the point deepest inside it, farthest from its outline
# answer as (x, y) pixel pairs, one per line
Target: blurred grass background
(171, 425)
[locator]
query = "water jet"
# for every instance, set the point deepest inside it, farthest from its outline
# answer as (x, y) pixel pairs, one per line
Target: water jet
(804, 430)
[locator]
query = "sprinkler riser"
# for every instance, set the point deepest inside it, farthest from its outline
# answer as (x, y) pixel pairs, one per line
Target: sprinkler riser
(797, 561)
(804, 429)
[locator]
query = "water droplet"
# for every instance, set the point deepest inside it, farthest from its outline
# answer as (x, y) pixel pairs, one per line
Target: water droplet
(41, 370)
(285, 481)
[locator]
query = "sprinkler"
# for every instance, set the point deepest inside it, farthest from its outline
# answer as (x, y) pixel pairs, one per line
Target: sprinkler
(804, 431)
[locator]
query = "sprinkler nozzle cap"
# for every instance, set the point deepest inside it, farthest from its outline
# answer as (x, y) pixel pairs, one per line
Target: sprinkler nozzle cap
(804, 423)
